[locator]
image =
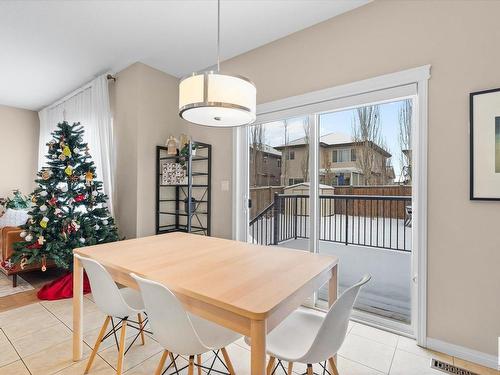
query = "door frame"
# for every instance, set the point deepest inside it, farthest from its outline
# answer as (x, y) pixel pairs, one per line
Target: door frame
(294, 106)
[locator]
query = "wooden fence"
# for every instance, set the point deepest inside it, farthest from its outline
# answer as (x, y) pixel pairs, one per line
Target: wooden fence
(262, 197)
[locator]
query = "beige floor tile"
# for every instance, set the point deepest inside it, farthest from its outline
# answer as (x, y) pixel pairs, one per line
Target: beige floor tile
(53, 359)
(149, 366)
(45, 339)
(7, 351)
(99, 367)
(481, 370)
(137, 354)
(375, 334)
(409, 345)
(348, 367)
(406, 363)
(26, 320)
(90, 337)
(15, 368)
(367, 352)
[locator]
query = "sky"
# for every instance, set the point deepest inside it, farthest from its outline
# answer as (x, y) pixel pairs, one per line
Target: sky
(341, 121)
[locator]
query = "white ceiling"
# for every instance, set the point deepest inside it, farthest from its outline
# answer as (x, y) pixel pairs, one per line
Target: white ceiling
(50, 48)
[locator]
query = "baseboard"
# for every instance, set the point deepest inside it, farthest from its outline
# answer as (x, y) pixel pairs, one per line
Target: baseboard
(461, 352)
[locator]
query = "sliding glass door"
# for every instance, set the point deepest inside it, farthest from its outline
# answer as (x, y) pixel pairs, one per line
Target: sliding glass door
(335, 176)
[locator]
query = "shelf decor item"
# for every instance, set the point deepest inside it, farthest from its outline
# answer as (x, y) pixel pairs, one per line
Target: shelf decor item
(485, 145)
(183, 191)
(171, 145)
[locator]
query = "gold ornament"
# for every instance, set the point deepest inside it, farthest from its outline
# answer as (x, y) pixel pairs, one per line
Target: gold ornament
(66, 151)
(73, 178)
(69, 170)
(89, 176)
(24, 261)
(44, 264)
(44, 222)
(62, 157)
(41, 240)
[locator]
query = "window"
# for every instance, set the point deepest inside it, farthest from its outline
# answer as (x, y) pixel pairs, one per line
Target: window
(341, 155)
(353, 154)
(293, 181)
(291, 155)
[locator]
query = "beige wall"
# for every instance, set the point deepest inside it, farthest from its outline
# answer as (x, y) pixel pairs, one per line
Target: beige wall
(460, 39)
(144, 103)
(18, 149)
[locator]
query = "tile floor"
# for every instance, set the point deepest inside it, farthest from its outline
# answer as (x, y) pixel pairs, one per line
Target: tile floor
(36, 339)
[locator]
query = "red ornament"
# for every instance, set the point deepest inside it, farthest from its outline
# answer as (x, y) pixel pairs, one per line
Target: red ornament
(34, 245)
(79, 198)
(53, 201)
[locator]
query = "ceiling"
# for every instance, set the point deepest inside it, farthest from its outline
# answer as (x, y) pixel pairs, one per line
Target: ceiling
(50, 48)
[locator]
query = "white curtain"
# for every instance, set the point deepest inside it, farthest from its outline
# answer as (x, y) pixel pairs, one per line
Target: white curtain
(89, 106)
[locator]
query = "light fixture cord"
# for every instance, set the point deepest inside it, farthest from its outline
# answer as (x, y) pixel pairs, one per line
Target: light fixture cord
(218, 35)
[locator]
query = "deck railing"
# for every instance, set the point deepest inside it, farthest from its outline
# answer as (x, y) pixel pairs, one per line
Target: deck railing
(365, 220)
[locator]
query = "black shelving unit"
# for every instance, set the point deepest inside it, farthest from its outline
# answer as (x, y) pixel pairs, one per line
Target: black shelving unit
(173, 213)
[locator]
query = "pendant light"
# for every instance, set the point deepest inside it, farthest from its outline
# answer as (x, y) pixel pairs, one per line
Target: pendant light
(217, 99)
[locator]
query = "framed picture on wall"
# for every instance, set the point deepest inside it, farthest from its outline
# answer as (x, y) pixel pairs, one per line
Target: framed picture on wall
(485, 145)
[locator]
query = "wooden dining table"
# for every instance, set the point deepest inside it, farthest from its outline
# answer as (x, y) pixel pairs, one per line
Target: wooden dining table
(247, 288)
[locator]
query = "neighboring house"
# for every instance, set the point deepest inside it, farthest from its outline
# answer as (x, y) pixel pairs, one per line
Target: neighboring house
(339, 164)
(265, 166)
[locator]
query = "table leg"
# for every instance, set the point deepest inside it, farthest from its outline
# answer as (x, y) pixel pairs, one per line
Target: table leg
(77, 309)
(258, 347)
(333, 290)
(333, 286)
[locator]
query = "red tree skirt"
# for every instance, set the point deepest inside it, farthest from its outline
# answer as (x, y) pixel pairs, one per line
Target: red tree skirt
(62, 288)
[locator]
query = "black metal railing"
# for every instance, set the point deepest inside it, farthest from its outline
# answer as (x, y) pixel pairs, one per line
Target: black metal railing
(365, 220)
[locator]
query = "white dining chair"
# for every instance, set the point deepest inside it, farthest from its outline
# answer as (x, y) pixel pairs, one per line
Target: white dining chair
(308, 338)
(116, 303)
(181, 333)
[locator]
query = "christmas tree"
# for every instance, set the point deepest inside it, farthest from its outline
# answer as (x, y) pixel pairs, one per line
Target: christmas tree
(69, 208)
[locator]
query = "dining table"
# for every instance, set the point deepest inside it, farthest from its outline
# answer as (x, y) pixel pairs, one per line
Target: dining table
(245, 287)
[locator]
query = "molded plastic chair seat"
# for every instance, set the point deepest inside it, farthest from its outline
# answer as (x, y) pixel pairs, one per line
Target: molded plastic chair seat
(212, 335)
(294, 336)
(307, 337)
(133, 299)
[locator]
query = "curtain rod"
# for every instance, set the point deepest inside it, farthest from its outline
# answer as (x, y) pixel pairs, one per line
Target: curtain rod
(111, 77)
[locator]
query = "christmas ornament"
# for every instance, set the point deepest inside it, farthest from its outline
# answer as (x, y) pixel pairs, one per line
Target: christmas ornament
(82, 240)
(46, 174)
(62, 157)
(105, 222)
(53, 201)
(33, 198)
(89, 176)
(43, 193)
(66, 151)
(79, 198)
(94, 193)
(69, 170)
(51, 145)
(23, 263)
(44, 222)
(76, 150)
(44, 264)
(74, 178)
(82, 177)
(43, 208)
(28, 238)
(23, 234)
(8, 265)
(57, 211)
(96, 227)
(64, 188)
(41, 240)
(34, 245)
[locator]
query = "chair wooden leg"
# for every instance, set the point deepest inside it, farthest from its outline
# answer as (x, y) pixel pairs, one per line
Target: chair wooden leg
(228, 361)
(141, 327)
(333, 366)
(198, 360)
(270, 365)
(191, 365)
(121, 352)
(309, 369)
(162, 362)
(290, 368)
(97, 344)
